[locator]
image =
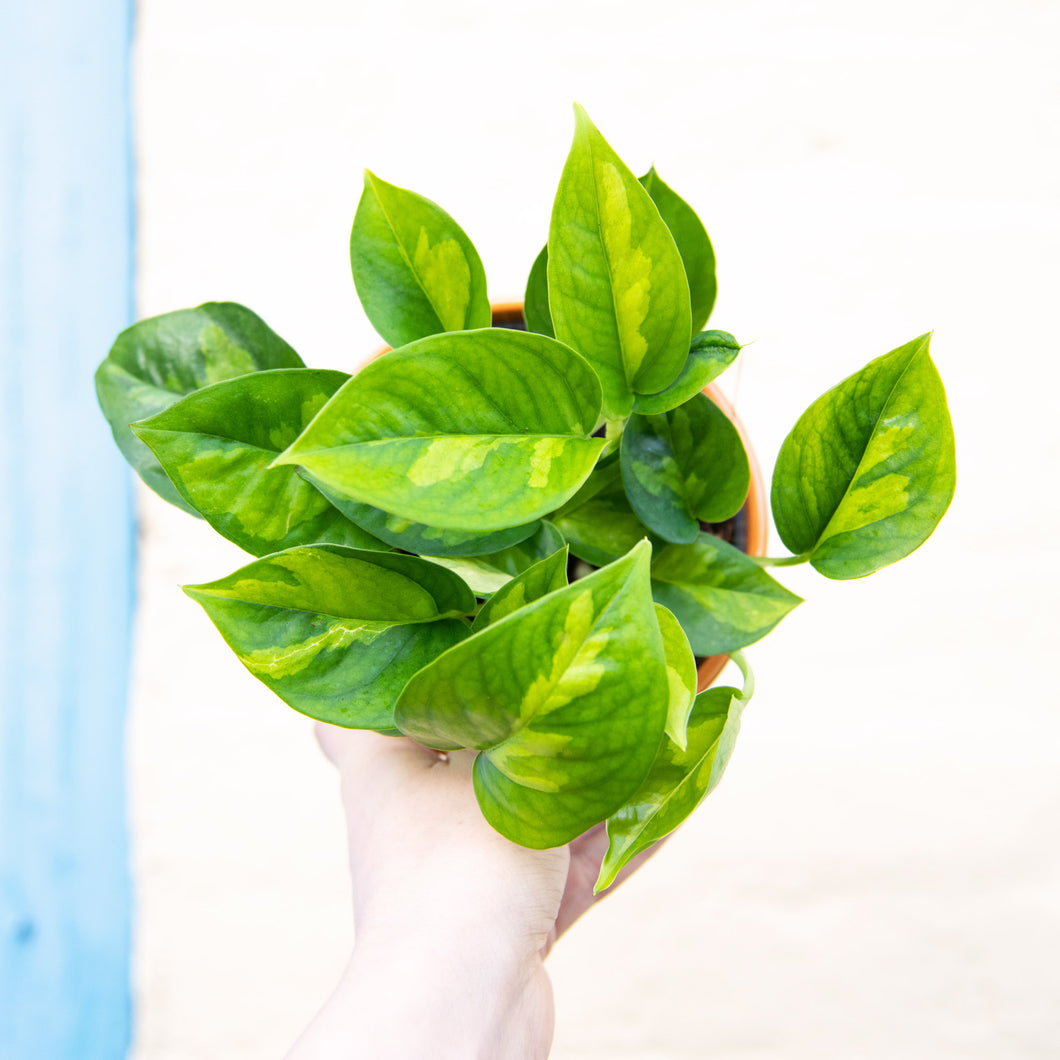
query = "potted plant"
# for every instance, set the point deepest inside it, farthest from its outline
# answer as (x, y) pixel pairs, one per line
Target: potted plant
(509, 540)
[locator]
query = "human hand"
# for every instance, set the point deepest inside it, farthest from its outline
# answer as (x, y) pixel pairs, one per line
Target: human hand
(453, 921)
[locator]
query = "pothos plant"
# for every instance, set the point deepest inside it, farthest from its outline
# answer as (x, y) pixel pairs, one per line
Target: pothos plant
(417, 524)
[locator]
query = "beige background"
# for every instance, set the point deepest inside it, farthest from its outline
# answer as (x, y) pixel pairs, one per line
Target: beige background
(879, 874)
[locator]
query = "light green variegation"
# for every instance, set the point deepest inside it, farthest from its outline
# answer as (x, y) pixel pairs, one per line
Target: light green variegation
(680, 675)
(415, 270)
(478, 430)
(693, 244)
(710, 354)
(603, 526)
(534, 582)
(616, 284)
(486, 574)
(336, 632)
(217, 445)
(536, 313)
(567, 728)
(869, 469)
(723, 599)
(679, 780)
(684, 466)
(418, 538)
(156, 362)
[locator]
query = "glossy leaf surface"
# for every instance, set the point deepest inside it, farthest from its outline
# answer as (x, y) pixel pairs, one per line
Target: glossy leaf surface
(336, 632)
(616, 284)
(679, 780)
(475, 430)
(566, 698)
(418, 538)
(693, 244)
(722, 598)
(680, 675)
(602, 527)
(683, 466)
(710, 354)
(869, 469)
(216, 446)
(535, 302)
(539, 580)
(486, 574)
(159, 360)
(415, 270)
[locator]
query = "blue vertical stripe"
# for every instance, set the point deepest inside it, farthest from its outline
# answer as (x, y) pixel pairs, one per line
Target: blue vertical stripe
(66, 531)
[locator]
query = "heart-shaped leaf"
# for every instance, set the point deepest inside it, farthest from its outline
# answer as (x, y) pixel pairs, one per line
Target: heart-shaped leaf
(156, 362)
(418, 538)
(566, 698)
(474, 430)
(603, 526)
(487, 574)
(721, 597)
(217, 445)
(684, 466)
(679, 780)
(415, 270)
(535, 302)
(710, 354)
(616, 284)
(869, 469)
(693, 243)
(336, 632)
(534, 582)
(680, 674)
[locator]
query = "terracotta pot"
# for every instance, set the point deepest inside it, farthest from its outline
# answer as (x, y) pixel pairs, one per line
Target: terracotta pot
(752, 519)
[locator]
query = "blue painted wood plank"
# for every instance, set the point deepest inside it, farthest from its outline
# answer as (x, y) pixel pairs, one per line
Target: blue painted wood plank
(66, 531)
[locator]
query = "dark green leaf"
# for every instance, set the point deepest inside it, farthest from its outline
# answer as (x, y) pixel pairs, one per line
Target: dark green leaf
(680, 674)
(535, 302)
(415, 270)
(566, 698)
(679, 780)
(684, 466)
(536, 581)
(157, 361)
(217, 444)
(336, 632)
(711, 353)
(721, 597)
(869, 469)
(475, 430)
(693, 243)
(616, 284)
(487, 574)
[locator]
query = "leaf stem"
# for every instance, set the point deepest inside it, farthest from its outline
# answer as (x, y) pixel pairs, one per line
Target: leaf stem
(780, 561)
(748, 674)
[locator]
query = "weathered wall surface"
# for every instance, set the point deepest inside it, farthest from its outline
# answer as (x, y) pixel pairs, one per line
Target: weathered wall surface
(878, 876)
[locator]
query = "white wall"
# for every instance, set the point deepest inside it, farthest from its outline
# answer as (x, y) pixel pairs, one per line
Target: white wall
(879, 875)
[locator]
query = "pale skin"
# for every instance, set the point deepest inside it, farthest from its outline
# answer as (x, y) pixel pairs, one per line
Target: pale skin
(453, 921)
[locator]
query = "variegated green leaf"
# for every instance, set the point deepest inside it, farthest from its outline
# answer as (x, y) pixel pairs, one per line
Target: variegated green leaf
(722, 598)
(534, 582)
(679, 780)
(474, 430)
(710, 354)
(336, 632)
(566, 698)
(693, 244)
(684, 466)
(486, 574)
(616, 284)
(415, 270)
(869, 470)
(418, 538)
(602, 527)
(217, 445)
(535, 302)
(156, 362)
(680, 674)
